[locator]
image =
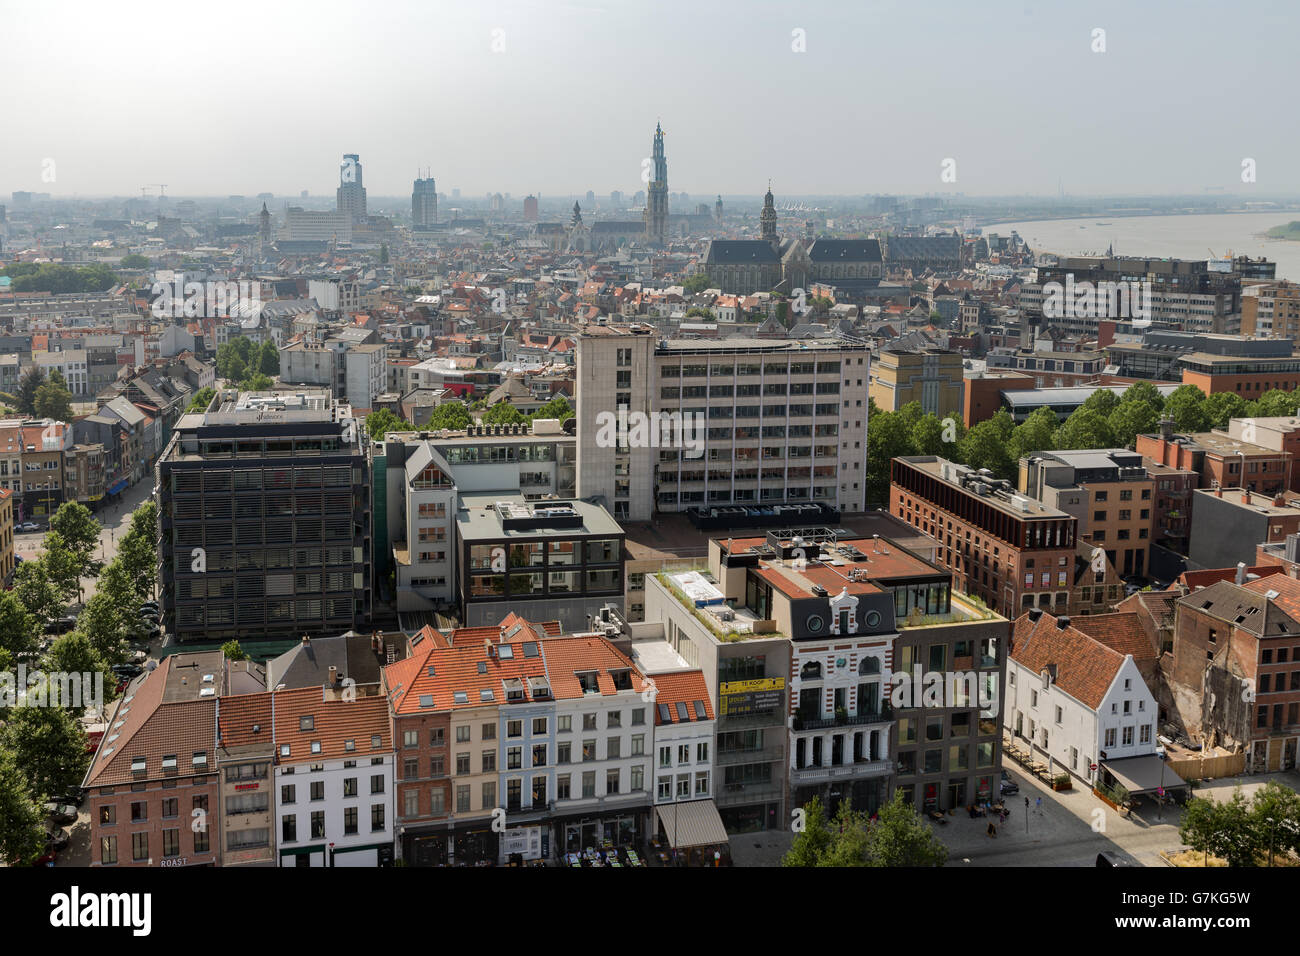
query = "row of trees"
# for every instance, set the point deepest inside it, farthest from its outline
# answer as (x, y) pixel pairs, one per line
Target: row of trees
(252, 366)
(41, 396)
(895, 836)
(1244, 832)
(43, 748)
(1105, 420)
(54, 278)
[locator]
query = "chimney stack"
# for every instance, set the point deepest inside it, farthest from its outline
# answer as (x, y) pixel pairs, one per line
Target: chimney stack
(1241, 572)
(1166, 428)
(1245, 496)
(334, 675)
(1062, 623)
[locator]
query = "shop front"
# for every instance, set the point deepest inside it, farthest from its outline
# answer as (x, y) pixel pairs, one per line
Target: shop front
(614, 830)
(474, 845)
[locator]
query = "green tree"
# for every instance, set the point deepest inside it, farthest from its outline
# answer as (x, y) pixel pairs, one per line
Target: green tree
(383, 254)
(202, 399)
(1186, 406)
(812, 843)
(62, 566)
(502, 413)
(138, 552)
(1131, 419)
(49, 747)
(134, 261)
(53, 400)
(79, 532)
(986, 445)
(1085, 428)
(557, 408)
(232, 651)
(28, 385)
(1144, 392)
(1275, 819)
(1222, 828)
(383, 421)
(1103, 400)
(1223, 406)
(899, 837)
(700, 311)
(927, 436)
(256, 382)
(106, 623)
(1034, 433)
(697, 282)
(888, 437)
(234, 357)
(851, 843)
(22, 828)
(18, 630)
(37, 593)
(72, 653)
(269, 359)
(1276, 402)
(451, 415)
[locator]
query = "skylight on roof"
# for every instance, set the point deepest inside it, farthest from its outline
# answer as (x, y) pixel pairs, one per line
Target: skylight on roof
(530, 649)
(700, 712)
(461, 697)
(486, 694)
(506, 652)
(426, 700)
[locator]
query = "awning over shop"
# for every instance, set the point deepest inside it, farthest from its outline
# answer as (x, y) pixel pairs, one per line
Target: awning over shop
(117, 486)
(1143, 774)
(693, 823)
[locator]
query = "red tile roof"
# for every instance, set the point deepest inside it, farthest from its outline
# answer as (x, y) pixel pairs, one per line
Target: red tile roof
(1120, 632)
(1084, 668)
(1203, 579)
(685, 687)
(334, 722)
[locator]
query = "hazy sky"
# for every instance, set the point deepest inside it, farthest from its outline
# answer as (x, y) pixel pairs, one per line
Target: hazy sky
(245, 97)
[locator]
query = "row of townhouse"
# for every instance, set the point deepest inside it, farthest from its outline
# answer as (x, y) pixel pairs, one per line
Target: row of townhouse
(469, 747)
(193, 773)
(517, 740)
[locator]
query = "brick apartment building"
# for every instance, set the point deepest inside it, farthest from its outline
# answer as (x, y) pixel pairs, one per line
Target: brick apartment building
(1003, 547)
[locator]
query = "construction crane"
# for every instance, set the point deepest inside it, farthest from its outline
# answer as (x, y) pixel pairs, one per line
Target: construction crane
(162, 189)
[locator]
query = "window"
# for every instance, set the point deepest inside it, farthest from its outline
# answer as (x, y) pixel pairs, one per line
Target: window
(462, 734)
(1145, 734)
(589, 721)
(318, 789)
(665, 756)
(376, 816)
(588, 750)
(489, 731)
(108, 850)
(562, 787)
(638, 717)
(288, 829)
(564, 724)
(140, 846)
(1128, 736)
(1058, 714)
(1110, 737)
(489, 761)
(201, 841)
(514, 759)
(589, 783)
(638, 779)
(564, 752)
(613, 748)
(377, 783)
(350, 786)
(539, 725)
(638, 745)
(514, 728)
(437, 765)
(489, 794)
(411, 803)
(171, 842)
(107, 815)
(410, 738)
(462, 798)
(139, 812)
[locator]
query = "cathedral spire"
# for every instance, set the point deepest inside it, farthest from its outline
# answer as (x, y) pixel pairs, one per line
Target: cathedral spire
(767, 218)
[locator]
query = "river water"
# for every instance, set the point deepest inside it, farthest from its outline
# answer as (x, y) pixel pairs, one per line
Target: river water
(1174, 237)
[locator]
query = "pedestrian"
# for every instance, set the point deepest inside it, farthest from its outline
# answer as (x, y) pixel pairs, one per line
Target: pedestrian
(1039, 805)
(993, 830)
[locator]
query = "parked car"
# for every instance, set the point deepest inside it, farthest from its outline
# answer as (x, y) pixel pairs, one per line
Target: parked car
(62, 625)
(74, 797)
(149, 606)
(155, 633)
(56, 838)
(27, 526)
(1008, 785)
(60, 812)
(127, 670)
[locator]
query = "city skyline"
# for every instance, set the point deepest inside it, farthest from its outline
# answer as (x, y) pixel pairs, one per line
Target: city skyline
(889, 121)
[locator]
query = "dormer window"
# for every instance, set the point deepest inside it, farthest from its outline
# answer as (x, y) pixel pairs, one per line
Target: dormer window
(811, 671)
(589, 683)
(137, 765)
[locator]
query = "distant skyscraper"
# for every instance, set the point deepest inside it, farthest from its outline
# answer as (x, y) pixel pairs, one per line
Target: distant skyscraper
(351, 195)
(591, 196)
(424, 203)
(455, 193)
(656, 207)
(616, 196)
(717, 209)
(530, 209)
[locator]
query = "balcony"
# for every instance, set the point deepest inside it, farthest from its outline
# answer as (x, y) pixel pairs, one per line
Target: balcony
(859, 770)
(883, 715)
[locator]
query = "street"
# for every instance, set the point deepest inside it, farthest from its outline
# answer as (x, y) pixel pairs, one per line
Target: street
(116, 521)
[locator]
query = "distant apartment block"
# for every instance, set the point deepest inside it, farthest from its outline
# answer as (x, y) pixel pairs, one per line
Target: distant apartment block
(778, 422)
